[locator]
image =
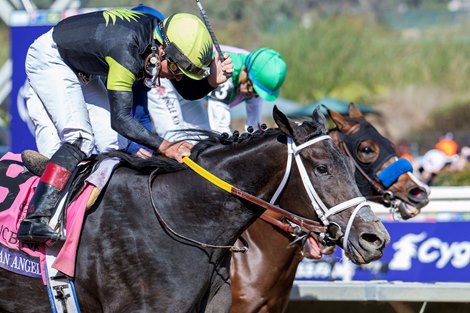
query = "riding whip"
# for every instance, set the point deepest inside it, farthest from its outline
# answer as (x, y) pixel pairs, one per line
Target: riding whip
(211, 31)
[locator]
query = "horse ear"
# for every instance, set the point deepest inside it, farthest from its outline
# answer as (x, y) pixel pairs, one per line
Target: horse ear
(340, 121)
(284, 123)
(354, 111)
(318, 116)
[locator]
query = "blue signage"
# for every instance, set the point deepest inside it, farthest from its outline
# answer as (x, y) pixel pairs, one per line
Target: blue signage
(21, 132)
(26, 27)
(418, 252)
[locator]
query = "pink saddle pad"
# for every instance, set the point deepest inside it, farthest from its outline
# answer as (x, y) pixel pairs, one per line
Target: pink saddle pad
(16, 190)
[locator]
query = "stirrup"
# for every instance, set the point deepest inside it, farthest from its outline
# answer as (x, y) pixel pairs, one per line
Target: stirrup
(34, 161)
(33, 231)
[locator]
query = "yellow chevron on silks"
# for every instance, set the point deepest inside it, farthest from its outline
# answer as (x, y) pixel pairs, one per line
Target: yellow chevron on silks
(119, 77)
(123, 14)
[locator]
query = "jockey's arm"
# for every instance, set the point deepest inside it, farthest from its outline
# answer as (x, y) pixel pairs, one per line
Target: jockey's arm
(119, 84)
(125, 124)
(218, 114)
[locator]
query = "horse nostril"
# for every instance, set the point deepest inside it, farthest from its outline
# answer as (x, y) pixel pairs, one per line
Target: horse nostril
(372, 239)
(417, 195)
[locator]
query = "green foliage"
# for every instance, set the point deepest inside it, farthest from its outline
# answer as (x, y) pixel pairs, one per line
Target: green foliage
(342, 52)
(339, 48)
(4, 49)
(456, 114)
(452, 178)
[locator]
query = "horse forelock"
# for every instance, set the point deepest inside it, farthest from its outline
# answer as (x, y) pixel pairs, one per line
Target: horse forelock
(310, 130)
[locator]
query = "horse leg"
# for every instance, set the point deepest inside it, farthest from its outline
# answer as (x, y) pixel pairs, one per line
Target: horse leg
(220, 293)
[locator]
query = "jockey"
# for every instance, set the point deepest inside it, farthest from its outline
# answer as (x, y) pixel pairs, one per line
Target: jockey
(257, 76)
(120, 46)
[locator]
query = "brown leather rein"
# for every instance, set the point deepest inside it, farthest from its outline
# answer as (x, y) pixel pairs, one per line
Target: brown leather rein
(274, 214)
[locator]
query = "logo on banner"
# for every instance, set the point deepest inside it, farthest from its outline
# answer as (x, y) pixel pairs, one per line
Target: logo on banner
(429, 250)
(434, 253)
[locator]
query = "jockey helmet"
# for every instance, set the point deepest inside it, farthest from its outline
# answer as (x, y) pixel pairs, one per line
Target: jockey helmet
(186, 42)
(148, 10)
(267, 70)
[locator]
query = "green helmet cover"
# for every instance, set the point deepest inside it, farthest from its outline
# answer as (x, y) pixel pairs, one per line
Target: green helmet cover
(267, 70)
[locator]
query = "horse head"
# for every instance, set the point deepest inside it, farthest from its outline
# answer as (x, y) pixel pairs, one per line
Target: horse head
(323, 187)
(380, 174)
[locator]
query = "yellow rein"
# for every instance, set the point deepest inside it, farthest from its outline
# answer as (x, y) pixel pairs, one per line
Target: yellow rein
(210, 177)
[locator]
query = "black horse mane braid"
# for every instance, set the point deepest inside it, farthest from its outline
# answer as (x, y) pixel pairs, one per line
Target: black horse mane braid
(203, 138)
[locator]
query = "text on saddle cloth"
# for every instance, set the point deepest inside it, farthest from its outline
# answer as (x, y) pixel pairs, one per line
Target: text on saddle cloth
(16, 190)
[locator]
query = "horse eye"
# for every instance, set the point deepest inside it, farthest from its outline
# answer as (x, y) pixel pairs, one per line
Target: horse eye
(321, 170)
(368, 150)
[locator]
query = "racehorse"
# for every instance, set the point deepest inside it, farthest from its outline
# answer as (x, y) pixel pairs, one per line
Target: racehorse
(263, 277)
(160, 243)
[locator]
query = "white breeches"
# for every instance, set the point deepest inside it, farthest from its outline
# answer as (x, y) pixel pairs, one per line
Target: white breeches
(61, 108)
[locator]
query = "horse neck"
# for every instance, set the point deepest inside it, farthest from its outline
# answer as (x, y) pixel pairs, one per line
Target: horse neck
(255, 167)
(269, 262)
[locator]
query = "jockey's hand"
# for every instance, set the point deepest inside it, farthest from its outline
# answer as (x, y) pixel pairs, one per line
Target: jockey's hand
(176, 150)
(220, 71)
(143, 153)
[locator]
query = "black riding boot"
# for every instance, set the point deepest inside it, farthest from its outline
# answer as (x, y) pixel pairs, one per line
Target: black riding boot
(34, 228)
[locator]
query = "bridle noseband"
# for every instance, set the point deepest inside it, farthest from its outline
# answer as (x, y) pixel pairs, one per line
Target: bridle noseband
(322, 211)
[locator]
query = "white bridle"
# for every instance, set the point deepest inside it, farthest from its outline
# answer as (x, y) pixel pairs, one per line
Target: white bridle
(320, 208)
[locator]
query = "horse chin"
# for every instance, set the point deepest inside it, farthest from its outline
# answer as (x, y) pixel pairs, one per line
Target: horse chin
(407, 210)
(360, 255)
(363, 255)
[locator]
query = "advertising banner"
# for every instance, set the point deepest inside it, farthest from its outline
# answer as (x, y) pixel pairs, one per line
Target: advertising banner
(418, 252)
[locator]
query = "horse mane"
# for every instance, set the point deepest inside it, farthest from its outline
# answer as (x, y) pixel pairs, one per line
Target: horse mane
(205, 139)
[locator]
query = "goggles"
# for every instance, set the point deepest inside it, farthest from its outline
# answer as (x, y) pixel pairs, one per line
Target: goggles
(173, 67)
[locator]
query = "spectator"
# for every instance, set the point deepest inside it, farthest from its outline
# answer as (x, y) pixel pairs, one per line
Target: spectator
(447, 145)
(403, 150)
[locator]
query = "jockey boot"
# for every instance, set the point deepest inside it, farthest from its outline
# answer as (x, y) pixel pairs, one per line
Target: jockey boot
(35, 227)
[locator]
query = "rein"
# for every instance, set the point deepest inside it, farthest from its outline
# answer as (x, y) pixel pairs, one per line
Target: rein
(309, 224)
(198, 243)
(320, 208)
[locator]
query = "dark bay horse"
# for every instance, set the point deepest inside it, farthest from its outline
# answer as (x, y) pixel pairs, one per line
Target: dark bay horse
(130, 261)
(262, 278)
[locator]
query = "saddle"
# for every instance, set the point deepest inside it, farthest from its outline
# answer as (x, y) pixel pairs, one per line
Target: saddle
(36, 163)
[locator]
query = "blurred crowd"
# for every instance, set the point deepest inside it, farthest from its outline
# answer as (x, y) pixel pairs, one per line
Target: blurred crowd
(446, 155)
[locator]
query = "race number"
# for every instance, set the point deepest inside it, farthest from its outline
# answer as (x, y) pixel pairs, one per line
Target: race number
(223, 92)
(11, 184)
